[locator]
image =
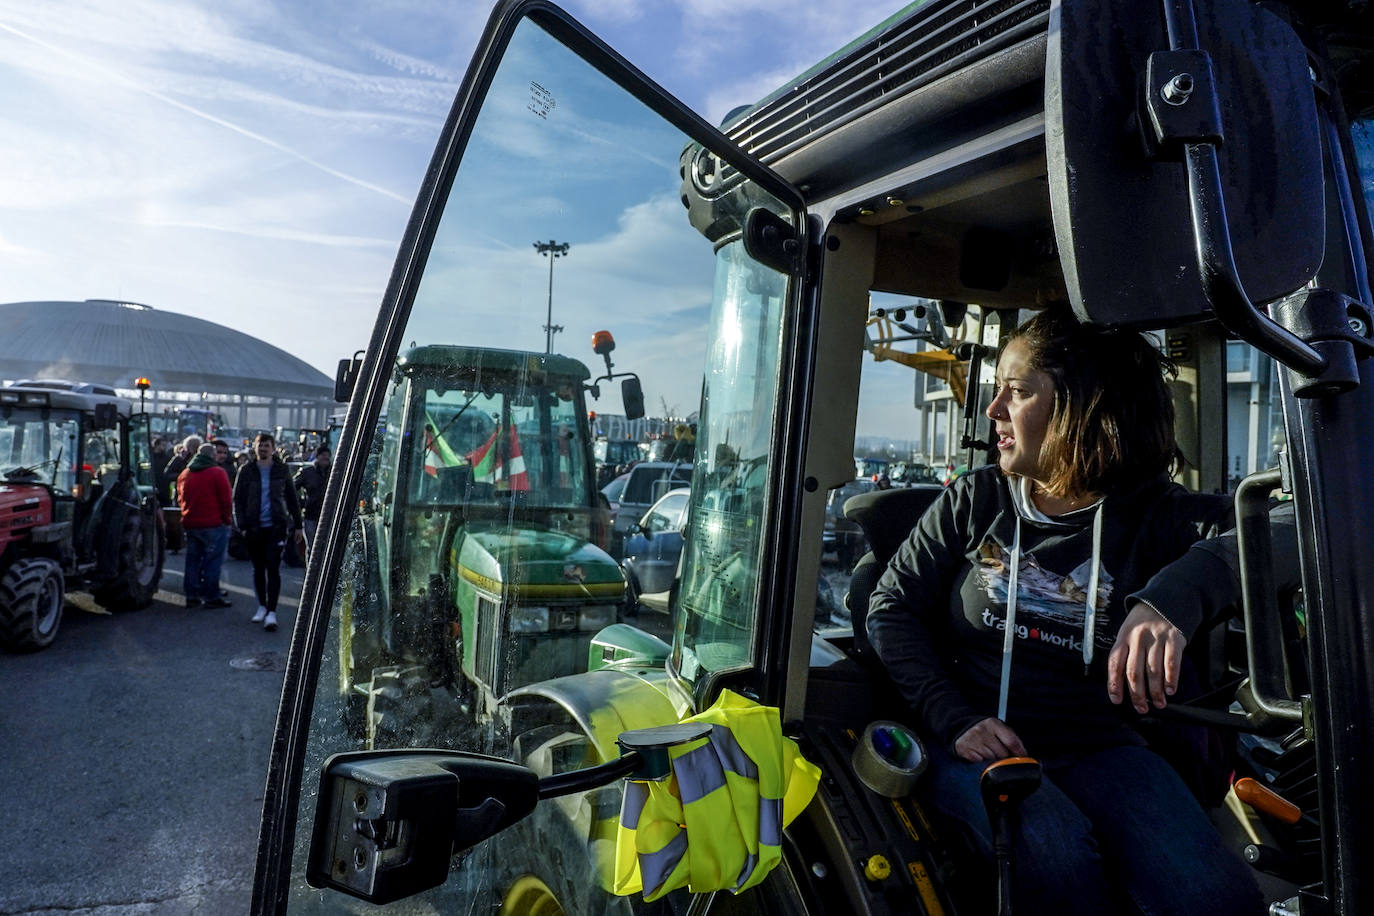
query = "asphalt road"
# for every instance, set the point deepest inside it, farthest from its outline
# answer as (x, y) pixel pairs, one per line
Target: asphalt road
(134, 755)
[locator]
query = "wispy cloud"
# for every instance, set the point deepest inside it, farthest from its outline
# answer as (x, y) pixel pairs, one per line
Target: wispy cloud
(118, 76)
(253, 162)
(281, 233)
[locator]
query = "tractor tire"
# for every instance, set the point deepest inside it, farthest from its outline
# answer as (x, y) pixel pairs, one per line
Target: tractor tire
(630, 607)
(543, 865)
(32, 593)
(142, 549)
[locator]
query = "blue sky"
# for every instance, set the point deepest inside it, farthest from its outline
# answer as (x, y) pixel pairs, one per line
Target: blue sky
(254, 162)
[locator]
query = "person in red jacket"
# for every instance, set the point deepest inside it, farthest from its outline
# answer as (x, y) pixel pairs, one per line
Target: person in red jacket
(207, 513)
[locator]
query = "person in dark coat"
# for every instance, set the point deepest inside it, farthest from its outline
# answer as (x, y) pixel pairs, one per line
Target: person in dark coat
(206, 515)
(310, 481)
(189, 446)
(224, 457)
(161, 455)
(266, 510)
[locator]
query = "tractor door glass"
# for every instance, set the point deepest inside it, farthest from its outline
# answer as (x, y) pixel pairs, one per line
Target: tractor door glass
(467, 593)
(140, 451)
(722, 567)
(100, 457)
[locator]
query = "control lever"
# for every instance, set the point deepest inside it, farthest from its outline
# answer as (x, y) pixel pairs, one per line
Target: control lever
(1004, 785)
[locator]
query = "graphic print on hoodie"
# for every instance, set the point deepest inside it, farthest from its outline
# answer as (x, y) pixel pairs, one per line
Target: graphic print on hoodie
(1049, 604)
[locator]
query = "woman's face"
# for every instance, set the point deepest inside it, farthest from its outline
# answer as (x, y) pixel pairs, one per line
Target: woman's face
(1020, 411)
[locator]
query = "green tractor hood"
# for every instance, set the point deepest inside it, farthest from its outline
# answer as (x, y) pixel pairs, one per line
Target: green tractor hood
(534, 563)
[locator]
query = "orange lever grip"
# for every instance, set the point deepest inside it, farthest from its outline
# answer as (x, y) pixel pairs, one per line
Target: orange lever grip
(1264, 799)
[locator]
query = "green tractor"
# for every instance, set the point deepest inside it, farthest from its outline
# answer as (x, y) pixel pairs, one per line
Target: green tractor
(485, 530)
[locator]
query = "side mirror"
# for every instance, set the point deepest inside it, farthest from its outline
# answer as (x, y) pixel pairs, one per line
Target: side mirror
(1109, 65)
(632, 394)
(106, 416)
(346, 377)
(388, 822)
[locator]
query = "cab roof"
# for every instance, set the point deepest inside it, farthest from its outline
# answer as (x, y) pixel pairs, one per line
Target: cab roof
(64, 395)
(455, 361)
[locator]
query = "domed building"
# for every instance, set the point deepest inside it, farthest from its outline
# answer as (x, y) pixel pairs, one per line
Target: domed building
(193, 365)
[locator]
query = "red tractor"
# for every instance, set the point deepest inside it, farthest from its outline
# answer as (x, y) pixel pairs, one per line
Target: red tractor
(77, 506)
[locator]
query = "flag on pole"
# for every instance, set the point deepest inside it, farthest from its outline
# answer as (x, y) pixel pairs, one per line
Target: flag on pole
(438, 454)
(488, 465)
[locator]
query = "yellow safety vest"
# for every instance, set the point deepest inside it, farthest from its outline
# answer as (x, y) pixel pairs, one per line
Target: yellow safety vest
(716, 822)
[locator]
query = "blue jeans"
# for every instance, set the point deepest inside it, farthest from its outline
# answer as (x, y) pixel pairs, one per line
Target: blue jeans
(204, 557)
(1104, 829)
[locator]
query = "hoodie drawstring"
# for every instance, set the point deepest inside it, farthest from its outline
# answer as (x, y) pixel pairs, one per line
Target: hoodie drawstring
(1009, 635)
(1090, 611)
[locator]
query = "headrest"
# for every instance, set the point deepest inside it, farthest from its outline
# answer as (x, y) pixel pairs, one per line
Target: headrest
(887, 516)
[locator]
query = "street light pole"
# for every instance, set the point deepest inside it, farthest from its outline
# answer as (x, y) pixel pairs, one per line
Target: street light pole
(551, 250)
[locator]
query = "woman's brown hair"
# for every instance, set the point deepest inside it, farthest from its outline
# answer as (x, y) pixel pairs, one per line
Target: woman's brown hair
(1112, 424)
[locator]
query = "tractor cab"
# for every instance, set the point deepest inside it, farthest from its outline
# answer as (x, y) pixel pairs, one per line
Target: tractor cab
(77, 475)
(483, 539)
(451, 735)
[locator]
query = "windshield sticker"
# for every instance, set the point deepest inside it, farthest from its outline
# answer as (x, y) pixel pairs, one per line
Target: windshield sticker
(542, 102)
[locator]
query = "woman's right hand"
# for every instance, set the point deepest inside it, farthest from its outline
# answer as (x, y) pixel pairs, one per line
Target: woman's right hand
(990, 739)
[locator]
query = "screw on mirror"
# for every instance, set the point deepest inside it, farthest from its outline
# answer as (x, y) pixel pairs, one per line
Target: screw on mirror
(1177, 90)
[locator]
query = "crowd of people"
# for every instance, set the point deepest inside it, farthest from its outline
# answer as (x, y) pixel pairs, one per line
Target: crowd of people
(250, 497)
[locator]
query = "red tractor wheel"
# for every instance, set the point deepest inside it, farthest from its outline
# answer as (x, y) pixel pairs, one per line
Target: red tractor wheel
(31, 596)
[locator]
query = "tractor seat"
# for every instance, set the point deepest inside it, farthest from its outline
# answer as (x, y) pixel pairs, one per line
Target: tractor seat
(886, 517)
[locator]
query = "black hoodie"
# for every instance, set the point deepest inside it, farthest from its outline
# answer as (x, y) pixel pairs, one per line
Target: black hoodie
(937, 618)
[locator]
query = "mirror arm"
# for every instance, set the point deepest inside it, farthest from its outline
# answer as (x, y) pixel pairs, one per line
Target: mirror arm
(1216, 263)
(1184, 111)
(575, 781)
(608, 377)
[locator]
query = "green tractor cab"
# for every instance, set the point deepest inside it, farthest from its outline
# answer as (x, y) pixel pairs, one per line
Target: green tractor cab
(484, 538)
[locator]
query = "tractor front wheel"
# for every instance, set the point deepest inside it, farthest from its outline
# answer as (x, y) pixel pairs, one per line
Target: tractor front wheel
(31, 597)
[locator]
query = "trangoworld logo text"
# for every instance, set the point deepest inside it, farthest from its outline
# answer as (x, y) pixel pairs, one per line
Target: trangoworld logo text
(1072, 643)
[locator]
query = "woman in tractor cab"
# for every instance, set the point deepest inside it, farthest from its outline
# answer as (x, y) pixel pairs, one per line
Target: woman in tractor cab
(1003, 620)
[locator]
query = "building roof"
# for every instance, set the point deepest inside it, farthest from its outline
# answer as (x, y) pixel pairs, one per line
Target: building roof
(114, 342)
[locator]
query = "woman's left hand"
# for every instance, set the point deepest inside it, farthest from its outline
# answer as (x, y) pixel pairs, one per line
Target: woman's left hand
(1146, 658)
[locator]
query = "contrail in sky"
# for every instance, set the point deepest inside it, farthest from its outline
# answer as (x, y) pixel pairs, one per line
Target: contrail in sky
(229, 125)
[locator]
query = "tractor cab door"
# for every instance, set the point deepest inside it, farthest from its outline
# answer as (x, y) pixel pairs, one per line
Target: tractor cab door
(553, 209)
(141, 453)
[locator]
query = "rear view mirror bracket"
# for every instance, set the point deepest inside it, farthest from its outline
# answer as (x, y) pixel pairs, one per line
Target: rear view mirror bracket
(1184, 110)
(631, 392)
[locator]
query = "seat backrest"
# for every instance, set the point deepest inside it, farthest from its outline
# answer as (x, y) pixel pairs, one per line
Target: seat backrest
(886, 517)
